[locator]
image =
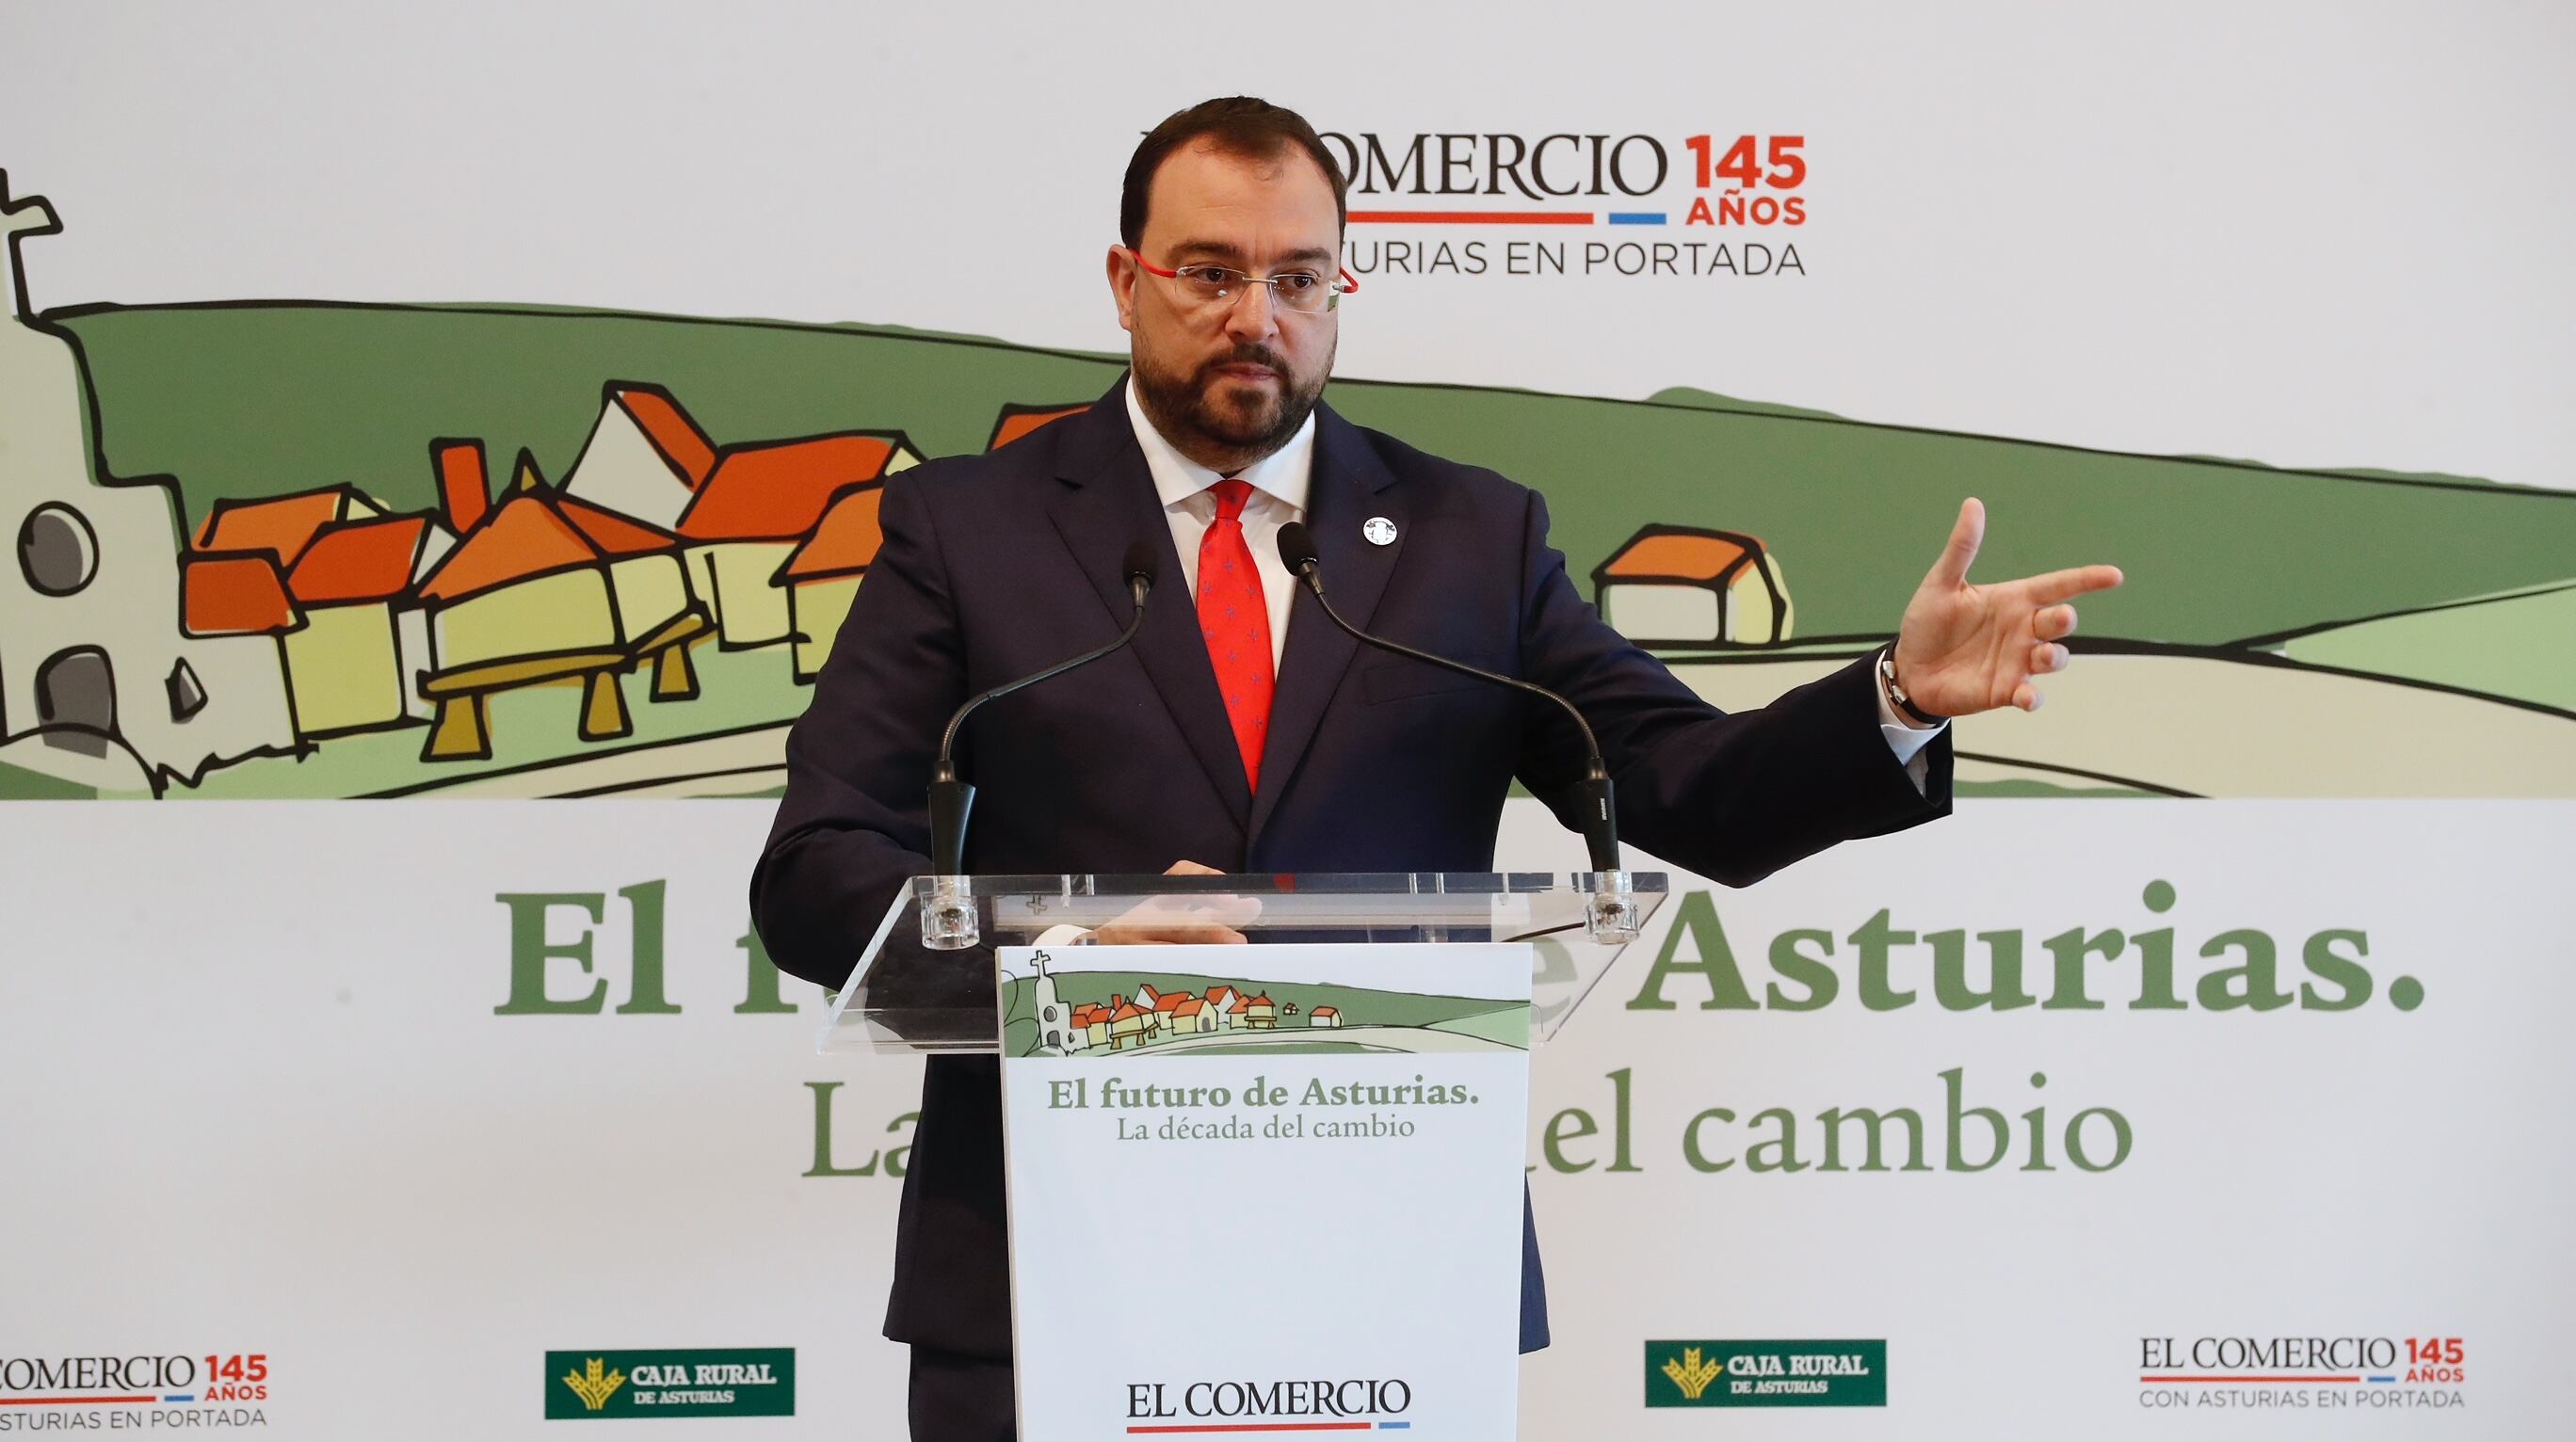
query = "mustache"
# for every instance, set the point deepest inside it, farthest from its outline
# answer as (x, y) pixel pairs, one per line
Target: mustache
(1248, 354)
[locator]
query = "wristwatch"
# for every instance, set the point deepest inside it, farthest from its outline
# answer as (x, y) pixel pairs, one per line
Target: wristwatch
(1896, 693)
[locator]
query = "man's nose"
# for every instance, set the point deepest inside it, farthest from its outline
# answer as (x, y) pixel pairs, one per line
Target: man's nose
(1252, 316)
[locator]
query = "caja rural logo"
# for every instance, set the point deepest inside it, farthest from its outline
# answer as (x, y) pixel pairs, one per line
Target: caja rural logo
(1766, 1374)
(1709, 205)
(134, 1389)
(595, 1385)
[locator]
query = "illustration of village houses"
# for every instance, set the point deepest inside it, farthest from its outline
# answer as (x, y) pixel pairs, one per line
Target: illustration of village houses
(1688, 586)
(655, 541)
(132, 661)
(515, 624)
(1120, 1023)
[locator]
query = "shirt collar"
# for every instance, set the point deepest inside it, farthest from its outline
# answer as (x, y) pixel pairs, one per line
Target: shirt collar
(1284, 474)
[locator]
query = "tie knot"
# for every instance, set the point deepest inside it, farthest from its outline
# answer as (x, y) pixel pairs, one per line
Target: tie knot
(1230, 495)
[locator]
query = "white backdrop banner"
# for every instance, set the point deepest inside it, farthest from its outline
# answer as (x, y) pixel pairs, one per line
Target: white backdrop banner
(483, 1083)
(406, 419)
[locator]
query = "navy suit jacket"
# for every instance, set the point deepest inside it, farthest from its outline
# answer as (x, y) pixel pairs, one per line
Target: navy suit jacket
(998, 565)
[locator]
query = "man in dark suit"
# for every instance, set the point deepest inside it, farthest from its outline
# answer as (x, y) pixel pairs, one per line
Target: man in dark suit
(1251, 735)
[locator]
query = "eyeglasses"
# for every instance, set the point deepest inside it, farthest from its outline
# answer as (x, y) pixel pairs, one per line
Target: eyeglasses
(1300, 292)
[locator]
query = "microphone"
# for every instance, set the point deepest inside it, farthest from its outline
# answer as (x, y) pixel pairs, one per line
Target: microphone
(949, 924)
(1613, 915)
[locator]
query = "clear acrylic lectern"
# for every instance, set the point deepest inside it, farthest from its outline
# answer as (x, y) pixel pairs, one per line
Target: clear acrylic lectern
(918, 988)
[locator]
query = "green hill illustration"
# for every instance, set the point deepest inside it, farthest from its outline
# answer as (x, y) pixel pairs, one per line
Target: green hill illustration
(1059, 1012)
(287, 549)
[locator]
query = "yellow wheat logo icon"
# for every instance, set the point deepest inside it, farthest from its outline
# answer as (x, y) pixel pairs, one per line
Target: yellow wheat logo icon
(594, 1389)
(1691, 1374)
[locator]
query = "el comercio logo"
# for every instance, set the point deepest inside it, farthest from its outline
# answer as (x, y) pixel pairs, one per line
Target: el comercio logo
(141, 1389)
(2318, 1372)
(1569, 203)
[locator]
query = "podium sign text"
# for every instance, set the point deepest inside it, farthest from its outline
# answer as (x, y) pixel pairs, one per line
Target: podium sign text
(1259, 1187)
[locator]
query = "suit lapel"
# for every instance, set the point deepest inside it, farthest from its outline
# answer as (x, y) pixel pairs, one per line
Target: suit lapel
(1108, 500)
(1343, 493)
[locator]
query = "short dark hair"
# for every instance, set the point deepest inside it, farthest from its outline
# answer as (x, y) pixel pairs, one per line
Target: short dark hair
(1240, 125)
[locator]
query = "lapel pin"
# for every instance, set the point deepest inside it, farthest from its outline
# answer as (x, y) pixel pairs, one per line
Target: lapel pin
(1379, 530)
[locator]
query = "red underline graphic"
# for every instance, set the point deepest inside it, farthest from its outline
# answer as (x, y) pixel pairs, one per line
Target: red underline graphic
(1471, 217)
(66, 1401)
(1263, 1427)
(2249, 1379)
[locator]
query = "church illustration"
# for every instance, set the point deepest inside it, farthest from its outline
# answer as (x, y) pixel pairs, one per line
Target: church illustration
(101, 684)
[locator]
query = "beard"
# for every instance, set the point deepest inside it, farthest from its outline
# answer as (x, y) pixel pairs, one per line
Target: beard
(1245, 422)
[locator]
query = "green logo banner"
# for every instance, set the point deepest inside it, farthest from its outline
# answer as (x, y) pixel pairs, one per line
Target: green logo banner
(1766, 1374)
(671, 1382)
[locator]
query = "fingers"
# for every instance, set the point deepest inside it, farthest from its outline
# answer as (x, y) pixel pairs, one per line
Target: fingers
(1965, 537)
(2047, 658)
(2053, 623)
(1186, 920)
(1229, 911)
(2075, 581)
(1190, 868)
(2026, 696)
(1167, 934)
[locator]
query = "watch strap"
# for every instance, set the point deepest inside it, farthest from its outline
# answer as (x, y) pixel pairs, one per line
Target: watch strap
(1896, 693)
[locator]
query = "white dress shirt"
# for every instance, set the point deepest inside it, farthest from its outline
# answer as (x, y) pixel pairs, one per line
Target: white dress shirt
(1280, 484)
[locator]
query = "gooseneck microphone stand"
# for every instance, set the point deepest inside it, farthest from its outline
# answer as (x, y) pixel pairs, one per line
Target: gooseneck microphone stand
(1612, 914)
(948, 918)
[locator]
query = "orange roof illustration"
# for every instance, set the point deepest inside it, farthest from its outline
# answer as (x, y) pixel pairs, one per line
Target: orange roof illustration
(360, 561)
(534, 532)
(1192, 1007)
(659, 416)
(777, 492)
(1237, 1002)
(1325, 1011)
(611, 533)
(239, 594)
(1680, 556)
(1262, 1000)
(1125, 1010)
(1017, 421)
(1166, 1003)
(525, 537)
(280, 525)
(847, 539)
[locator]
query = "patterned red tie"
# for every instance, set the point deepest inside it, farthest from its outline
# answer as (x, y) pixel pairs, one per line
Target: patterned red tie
(1236, 622)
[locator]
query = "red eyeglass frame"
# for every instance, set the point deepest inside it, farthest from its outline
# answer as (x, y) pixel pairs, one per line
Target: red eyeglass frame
(1350, 282)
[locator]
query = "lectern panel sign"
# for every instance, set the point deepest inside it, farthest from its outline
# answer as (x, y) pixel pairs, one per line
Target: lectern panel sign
(1263, 1188)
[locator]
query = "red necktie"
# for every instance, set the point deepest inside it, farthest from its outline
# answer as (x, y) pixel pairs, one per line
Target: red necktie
(1236, 622)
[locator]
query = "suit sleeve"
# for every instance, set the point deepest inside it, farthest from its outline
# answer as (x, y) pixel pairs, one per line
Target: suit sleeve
(1733, 797)
(854, 823)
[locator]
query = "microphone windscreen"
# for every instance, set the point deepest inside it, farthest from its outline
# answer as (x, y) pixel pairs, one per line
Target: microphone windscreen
(1143, 563)
(1296, 547)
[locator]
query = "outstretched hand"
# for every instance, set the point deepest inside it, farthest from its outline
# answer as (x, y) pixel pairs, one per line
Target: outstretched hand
(1966, 648)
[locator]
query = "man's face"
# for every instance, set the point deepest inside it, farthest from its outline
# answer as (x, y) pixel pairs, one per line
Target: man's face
(1229, 383)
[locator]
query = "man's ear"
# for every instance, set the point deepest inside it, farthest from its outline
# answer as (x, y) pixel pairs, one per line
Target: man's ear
(1122, 285)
